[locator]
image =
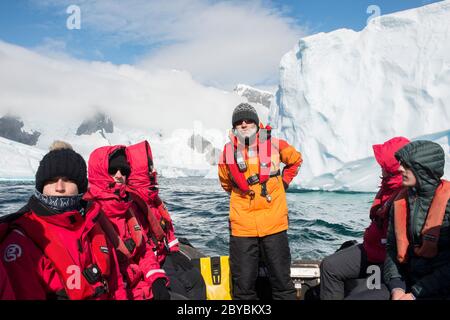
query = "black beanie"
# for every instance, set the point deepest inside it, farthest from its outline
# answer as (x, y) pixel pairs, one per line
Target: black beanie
(62, 163)
(118, 160)
(244, 111)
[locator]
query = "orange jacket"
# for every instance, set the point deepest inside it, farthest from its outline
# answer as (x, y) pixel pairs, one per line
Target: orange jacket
(257, 217)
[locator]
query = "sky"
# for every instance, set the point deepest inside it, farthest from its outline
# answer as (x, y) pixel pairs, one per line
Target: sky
(219, 43)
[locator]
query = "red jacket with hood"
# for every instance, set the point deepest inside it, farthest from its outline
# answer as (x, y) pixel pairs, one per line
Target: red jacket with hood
(142, 181)
(45, 255)
(375, 235)
(140, 266)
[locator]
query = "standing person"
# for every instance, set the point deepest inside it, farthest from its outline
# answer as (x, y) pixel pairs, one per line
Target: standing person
(353, 262)
(185, 279)
(108, 172)
(249, 171)
(52, 251)
(417, 264)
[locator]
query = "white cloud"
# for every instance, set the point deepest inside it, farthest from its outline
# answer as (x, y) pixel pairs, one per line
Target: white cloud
(219, 42)
(61, 91)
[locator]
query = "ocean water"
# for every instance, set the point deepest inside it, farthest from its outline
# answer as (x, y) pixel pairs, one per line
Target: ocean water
(319, 222)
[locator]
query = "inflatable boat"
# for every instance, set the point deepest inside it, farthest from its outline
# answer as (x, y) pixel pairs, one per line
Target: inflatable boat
(305, 275)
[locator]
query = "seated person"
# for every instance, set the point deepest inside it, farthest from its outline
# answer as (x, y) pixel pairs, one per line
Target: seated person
(108, 171)
(185, 279)
(353, 262)
(417, 264)
(53, 251)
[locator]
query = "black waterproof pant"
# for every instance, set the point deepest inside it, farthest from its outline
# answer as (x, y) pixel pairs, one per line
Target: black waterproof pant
(245, 256)
(185, 279)
(349, 266)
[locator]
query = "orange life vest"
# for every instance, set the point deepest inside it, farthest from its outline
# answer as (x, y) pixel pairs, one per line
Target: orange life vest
(431, 229)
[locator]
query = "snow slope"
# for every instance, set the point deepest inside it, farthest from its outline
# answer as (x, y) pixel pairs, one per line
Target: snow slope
(18, 161)
(343, 91)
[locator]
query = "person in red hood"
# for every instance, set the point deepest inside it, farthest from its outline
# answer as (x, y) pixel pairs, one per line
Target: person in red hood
(353, 262)
(186, 280)
(51, 250)
(122, 222)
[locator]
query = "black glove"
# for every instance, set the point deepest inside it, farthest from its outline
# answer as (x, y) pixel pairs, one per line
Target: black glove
(179, 260)
(286, 185)
(160, 291)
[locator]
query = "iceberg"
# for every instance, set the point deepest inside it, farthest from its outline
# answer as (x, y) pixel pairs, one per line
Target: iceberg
(344, 91)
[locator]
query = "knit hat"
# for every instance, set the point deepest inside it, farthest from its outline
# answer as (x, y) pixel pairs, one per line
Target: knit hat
(244, 111)
(62, 162)
(118, 161)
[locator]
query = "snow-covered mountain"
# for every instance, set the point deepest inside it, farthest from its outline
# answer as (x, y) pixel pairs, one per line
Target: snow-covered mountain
(12, 128)
(343, 91)
(100, 122)
(254, 95)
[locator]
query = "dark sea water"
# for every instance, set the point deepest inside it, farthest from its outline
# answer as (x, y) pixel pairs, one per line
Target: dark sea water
(319, 221)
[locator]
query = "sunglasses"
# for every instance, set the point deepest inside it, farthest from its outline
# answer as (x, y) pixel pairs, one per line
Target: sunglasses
(247, 121)
(123, 170)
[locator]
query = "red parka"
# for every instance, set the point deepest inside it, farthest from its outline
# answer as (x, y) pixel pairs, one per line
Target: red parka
(142, 181)
(138, 262)
(47, 255)
(375, 235)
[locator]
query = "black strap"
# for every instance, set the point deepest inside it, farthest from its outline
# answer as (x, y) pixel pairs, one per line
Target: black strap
(130, 244)
(254, 179)
(216, 272)
(275, 174)
(264, 189)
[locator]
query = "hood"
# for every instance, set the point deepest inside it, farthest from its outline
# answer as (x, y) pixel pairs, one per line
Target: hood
(427, 160)
(101, 185)
(385, 156)
(142, 177)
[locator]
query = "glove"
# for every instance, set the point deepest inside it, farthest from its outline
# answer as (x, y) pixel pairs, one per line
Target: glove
(180, 261)
(160, 291)
(286, 185)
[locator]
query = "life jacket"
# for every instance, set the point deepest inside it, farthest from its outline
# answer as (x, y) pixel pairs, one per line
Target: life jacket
(84, 277)
(235, 161)
(431, 229)
(125, 249)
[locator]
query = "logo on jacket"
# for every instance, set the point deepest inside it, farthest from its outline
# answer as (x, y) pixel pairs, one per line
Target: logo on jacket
(12, 252)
